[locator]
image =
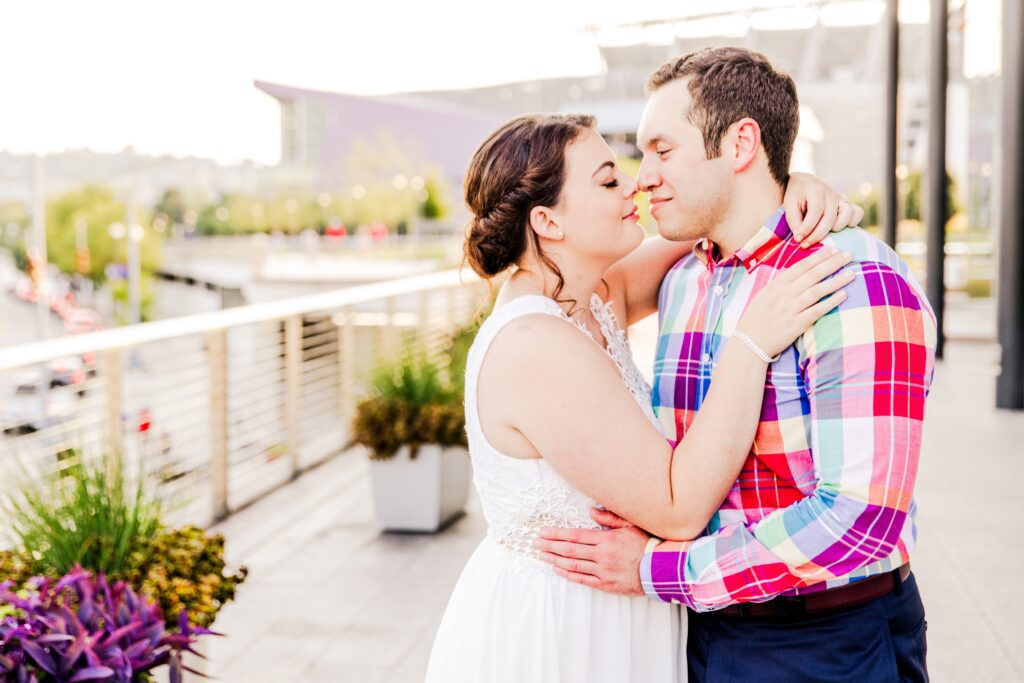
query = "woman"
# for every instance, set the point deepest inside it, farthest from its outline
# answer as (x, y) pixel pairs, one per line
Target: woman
(549, 202)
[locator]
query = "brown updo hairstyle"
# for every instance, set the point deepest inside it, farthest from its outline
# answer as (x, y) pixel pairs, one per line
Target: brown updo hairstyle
(520, 166)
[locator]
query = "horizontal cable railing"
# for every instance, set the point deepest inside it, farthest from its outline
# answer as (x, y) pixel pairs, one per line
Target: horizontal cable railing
(220, 408)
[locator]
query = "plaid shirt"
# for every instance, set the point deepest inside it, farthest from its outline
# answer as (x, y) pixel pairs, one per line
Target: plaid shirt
(825, 496)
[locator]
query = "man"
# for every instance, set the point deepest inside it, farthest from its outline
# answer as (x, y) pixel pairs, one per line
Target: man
(803, 573)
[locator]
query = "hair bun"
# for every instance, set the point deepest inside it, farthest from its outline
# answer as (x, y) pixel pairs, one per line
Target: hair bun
(486, 250)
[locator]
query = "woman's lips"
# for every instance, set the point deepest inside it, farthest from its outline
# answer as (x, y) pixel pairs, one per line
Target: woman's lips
(634, 215)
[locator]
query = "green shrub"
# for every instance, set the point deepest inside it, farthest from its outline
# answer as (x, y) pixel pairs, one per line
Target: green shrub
(385, 425)
(81, 516)
(184, 568)
(412, 401)
(414, 378)
(15, 567)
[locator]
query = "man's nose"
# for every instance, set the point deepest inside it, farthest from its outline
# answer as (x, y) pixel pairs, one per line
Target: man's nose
(647, 179)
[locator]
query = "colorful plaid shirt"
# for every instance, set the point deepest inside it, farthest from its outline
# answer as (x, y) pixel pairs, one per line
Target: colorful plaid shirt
(825, 496)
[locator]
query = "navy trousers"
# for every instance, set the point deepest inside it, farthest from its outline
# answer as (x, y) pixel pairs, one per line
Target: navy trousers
(878, 642)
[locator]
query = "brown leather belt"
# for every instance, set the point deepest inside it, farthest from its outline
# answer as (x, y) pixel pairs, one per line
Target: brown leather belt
(794, 606)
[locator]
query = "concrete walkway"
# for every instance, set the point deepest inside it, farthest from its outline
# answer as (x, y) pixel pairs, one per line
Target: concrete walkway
(331, 599)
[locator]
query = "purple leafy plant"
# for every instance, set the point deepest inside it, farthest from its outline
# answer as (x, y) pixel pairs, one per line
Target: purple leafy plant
(82, 628)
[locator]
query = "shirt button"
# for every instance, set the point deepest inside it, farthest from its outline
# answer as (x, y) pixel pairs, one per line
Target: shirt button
(706, 358)
(719, 289)
(753, 262)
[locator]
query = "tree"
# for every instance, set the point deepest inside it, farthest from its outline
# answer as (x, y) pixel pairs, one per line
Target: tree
(98, 208)
(380, 173)
(173, 205)
(15, 213)
(913, 196)
(434, 206)
(870, 204)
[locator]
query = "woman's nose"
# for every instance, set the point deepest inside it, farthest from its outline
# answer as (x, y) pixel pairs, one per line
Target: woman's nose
(629, 185)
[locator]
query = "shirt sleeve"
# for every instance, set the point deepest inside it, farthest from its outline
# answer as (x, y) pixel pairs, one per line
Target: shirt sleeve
(867, 367)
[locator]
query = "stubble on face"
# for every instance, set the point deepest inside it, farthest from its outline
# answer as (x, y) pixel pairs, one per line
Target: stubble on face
(701, 188)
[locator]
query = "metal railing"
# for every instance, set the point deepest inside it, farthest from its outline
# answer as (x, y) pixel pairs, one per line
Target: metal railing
(966, 262)
(221, 407)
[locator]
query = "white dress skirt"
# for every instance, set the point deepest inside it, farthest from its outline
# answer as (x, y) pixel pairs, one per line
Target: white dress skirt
(510, 617)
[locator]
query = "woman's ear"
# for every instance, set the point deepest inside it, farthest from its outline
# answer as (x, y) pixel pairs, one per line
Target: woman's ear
(746, 138)
(544, 222)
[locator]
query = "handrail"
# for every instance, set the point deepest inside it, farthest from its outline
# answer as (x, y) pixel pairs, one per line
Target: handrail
(38, 352)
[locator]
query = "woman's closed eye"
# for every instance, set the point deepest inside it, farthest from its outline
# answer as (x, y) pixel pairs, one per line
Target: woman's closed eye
(612, 184)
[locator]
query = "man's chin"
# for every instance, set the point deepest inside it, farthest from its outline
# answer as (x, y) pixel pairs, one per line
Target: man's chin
(677, 231)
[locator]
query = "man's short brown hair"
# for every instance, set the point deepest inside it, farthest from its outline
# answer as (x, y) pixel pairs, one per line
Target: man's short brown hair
(730, 83)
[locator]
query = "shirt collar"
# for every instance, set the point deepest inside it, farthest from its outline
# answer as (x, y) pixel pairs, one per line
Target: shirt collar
(772, 234)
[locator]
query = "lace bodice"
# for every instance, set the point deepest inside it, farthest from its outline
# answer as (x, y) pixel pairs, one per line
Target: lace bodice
(519, 496)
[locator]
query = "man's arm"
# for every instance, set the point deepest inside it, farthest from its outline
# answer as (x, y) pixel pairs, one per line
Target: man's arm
(867, 368)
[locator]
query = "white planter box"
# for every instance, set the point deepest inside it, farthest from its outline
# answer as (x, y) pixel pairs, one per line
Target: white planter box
(421, 494)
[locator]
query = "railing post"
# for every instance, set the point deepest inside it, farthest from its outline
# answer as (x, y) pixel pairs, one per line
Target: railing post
(451, 303)
(346, 365)
(424, 331)
(217, 359)
(390, 331)
(293, 380)
(115, 405)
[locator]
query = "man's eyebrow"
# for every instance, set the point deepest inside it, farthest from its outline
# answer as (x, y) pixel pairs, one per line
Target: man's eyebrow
(607, 164)
(655, 140)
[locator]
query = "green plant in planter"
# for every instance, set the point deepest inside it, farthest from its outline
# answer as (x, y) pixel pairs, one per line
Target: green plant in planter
(412, 401)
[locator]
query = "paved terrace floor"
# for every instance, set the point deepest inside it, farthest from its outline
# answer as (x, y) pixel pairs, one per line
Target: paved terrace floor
(331, 599)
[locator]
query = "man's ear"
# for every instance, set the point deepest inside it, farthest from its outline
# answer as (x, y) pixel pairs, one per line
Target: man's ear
(544, 222)
(745, 137)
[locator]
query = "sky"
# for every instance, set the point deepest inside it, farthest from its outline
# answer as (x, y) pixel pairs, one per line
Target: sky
(177, 77)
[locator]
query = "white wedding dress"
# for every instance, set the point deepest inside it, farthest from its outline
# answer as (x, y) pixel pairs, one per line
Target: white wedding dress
(510, 617)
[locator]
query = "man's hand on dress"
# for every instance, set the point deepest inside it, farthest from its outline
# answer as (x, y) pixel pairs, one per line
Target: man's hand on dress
(605, 559)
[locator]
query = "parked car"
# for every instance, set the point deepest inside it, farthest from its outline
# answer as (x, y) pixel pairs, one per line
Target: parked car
(31, 406)
(25, 290)
(78, 320)
(62, 303)
(335, 230)
(70, 371)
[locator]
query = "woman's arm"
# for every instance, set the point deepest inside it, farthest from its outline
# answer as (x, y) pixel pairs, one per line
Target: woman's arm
(812, 208)
(573, 407)
(636, 278)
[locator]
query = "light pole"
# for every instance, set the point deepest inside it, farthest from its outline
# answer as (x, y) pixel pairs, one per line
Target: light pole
(890, 184)
(38, 251)
(935, 177)
(1010, 292)
(134, 234)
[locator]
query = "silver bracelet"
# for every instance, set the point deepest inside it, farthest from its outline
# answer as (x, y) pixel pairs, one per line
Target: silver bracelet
(758, 351)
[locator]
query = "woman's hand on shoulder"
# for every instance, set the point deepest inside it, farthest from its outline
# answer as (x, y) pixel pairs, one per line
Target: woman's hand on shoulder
(814, 209)
(796, 299)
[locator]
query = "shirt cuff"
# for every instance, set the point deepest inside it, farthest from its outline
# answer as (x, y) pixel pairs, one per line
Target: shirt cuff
(645, 569)
(663, 572)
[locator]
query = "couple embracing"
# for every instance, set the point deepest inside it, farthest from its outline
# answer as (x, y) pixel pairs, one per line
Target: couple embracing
(750, 517)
